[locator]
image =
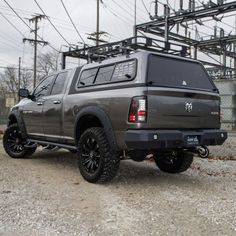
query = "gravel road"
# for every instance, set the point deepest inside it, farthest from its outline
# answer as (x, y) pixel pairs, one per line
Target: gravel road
(45, 195)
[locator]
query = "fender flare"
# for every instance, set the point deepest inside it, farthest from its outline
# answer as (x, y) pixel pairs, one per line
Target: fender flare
(17, 116)
(103, 118)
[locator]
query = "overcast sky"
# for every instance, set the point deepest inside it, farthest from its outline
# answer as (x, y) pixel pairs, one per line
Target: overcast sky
(116, 18)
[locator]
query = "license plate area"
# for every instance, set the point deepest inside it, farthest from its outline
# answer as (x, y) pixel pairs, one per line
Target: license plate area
(192, 140)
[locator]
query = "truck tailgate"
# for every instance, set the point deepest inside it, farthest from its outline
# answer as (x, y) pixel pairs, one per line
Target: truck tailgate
(182, 109)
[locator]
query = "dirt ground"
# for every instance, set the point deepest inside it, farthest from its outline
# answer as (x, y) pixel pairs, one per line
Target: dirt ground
(46, 195)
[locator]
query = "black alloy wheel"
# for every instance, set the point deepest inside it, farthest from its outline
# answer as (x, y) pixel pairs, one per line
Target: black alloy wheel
(14, 144)
(90, 153)
(96, 160)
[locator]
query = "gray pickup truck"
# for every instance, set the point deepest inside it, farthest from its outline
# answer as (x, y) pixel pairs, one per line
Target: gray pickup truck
(138, 105)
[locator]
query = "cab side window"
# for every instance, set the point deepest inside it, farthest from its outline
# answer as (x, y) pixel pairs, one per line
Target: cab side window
(87, 77)
(124, 71)
(104, 74)
(44, 87)
(59, 83)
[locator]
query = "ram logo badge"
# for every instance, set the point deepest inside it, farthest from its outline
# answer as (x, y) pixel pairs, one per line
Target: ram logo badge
(188, 106)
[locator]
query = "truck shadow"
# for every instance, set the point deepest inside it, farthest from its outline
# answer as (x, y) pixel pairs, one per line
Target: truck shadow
(147, 173)
(62, 157)
(130, 172)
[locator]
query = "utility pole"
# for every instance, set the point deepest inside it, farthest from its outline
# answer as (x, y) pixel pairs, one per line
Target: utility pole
(135, 17)
(35, 42)
(234, 50)
(97, 35)
(166, 14)
(156, 9)
(19, 75)
(181, 5)
(35, 21)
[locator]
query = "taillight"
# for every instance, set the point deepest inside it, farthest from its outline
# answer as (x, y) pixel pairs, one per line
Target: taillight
(138, 110)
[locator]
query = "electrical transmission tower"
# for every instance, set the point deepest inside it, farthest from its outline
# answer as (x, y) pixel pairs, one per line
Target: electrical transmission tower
(35, 42)
(168, 24)
(170, 30)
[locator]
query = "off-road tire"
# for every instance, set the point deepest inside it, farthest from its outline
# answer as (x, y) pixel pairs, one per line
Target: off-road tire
(22, 152)
(107, 159)
(181, 163)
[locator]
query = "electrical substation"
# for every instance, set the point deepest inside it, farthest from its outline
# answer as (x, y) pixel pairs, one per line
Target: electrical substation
(177, 30)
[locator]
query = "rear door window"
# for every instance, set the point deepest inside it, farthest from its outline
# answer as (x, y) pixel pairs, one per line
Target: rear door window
(171, 72)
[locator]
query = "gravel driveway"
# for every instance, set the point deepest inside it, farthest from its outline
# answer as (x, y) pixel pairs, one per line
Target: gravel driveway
(46, 195)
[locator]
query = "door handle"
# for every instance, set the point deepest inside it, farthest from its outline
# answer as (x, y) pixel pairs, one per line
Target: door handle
(40, 102)
(57, 102)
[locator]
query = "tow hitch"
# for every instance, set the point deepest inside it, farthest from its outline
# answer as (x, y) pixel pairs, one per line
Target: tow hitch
(202, 151)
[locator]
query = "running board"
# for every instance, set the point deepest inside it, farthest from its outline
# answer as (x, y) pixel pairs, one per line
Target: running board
(32, 145)
(70, 147)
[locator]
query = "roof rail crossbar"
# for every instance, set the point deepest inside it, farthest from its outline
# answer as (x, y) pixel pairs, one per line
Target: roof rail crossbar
(124, 47)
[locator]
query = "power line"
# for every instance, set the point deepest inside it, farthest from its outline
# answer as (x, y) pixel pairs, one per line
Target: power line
(233, 27)
(26, 23)
(68, 23)
(51, 23)
(12, 24)
(17, 68)
(10, 45)
(10, 39)
(17, 14)
(146, 8)
(72, 21)
(9, 42)
(126, 3)
(121, 7)
(65, 24)
(208, 27)
(21, 10)
(124, 19)
(138, 7)
(211, 19)
(115, 24)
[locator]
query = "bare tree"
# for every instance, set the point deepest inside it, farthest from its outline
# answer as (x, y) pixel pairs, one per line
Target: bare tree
(47, 63)
(10, 81)
(26, 79)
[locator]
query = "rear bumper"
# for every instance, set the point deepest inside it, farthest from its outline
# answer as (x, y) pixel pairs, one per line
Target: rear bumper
(154, 139)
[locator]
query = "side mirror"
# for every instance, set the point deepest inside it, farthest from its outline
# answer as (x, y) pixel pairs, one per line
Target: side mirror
(24, 93)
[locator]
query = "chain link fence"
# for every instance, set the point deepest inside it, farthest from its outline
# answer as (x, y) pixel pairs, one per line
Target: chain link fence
(6, 102)
(227, 90)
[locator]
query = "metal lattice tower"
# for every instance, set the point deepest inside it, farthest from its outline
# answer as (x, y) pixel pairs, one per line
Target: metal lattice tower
(221, 45)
